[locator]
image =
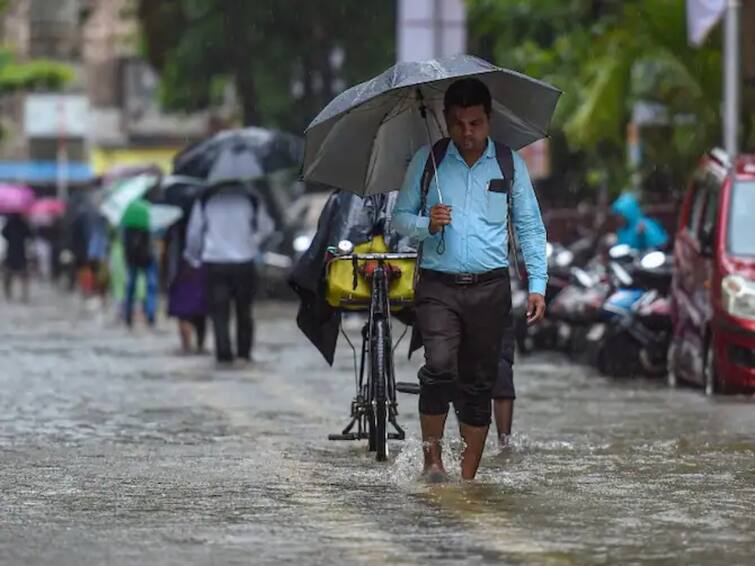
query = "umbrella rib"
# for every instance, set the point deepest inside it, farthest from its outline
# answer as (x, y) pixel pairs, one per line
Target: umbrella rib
(382, 122)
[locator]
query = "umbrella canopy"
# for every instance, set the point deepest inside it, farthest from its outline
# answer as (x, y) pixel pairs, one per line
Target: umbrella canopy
(182, 191)
(239, 155)
(43, 212)
(143, 215)
(15, 199)
(364, 139)
(48, 206)
(122, 193)
(121, 172)
(162, 216)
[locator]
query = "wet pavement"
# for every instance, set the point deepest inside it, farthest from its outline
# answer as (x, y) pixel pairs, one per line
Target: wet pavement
(113, 450)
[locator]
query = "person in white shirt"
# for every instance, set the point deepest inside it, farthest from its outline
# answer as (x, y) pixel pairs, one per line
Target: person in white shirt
(227, 227)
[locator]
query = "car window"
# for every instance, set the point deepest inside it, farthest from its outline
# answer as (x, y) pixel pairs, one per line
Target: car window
(741, 226)
(710, 213)
(698, 202)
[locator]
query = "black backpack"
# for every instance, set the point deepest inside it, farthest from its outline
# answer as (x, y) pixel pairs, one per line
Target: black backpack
(137, 247)
(505, 158)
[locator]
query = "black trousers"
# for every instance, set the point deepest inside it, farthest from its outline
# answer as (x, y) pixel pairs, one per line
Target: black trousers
(504, 385)
(232, 283)
(462, 328)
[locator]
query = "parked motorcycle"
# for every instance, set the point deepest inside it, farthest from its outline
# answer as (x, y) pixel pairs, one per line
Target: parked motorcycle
(636, 332)
(577, 308)
(544, 335)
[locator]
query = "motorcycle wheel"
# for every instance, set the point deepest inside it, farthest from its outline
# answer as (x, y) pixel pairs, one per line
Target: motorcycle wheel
(619, 356)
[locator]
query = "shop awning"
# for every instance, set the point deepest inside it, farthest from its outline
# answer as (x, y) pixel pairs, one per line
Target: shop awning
(44, 172)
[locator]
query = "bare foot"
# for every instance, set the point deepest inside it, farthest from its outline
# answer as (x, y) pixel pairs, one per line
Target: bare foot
(435, 474)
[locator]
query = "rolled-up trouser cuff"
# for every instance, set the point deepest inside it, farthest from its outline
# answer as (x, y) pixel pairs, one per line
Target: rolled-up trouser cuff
(474, 410)
(435, 393)
(504, 383)
(471, 407)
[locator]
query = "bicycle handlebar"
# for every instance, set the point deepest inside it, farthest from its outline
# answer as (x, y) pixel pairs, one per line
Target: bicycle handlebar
(376, 256)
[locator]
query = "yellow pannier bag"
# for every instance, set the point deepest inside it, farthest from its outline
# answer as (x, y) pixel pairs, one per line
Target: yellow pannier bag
(340, 291)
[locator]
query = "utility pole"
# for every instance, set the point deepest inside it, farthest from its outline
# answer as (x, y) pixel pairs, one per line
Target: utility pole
(62, 154)
(732, 76)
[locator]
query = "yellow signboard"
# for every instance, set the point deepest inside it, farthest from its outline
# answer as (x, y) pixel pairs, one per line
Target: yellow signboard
(104, 159)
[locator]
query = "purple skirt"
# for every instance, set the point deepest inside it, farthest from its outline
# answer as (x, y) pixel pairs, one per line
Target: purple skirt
(188, 293)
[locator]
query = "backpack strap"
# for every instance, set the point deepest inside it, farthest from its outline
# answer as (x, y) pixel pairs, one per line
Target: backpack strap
(438, 152)
(505, 157)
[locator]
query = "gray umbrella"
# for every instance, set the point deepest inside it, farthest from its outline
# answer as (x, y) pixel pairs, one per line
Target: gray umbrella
(364, 139)
(239, 155)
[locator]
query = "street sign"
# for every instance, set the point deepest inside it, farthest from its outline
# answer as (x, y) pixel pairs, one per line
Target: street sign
(56, 115)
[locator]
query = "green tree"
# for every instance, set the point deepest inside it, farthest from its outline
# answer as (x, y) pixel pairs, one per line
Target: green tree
(35, 74)
(607, 56)
(552, 40)
(646, 57)
(282, 56)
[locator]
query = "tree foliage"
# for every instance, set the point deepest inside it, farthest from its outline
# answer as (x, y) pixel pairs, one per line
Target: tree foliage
(608, 56)
(282, 56)
(35, 74)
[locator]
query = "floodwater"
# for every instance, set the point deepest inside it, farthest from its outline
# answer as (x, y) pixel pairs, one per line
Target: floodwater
(115, 451)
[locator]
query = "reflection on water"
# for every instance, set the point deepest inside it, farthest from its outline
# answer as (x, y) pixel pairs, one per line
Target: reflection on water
(116, 448)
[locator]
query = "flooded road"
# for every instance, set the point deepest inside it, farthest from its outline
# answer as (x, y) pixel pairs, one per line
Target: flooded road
(115, 451)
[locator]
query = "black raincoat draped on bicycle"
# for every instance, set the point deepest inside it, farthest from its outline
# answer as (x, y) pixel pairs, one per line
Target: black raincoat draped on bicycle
(345, 216)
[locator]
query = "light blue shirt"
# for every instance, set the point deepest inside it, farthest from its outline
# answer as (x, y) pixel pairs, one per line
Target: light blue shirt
(477, 238)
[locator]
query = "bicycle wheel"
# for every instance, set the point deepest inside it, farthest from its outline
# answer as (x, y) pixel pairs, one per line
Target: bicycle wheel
(380, 352)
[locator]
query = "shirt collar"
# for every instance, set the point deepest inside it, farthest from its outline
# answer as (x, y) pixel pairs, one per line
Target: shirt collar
(489, 152)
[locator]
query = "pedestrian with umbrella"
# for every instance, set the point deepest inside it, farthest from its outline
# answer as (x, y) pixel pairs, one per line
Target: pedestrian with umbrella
(227, 230)
(15, 202)
(187, 285)
(139, 252)
(45, 215)
(466, 196)
(16, 233)
(229, 224)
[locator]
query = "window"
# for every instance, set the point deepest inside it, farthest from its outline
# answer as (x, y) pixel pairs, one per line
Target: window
(741, 224)
(710, 214)
(698, 202)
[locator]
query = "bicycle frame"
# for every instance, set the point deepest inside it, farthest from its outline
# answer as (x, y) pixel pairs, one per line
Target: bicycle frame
(363, 407)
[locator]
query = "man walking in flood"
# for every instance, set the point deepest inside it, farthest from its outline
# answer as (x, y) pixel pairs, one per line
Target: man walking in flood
(463, 297)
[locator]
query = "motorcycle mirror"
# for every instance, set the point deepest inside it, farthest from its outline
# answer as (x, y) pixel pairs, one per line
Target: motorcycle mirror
(564, 258)
(582, 277)
(548, 250)
(653, 260)
(624, 279)
(619, 251)
(345, 247)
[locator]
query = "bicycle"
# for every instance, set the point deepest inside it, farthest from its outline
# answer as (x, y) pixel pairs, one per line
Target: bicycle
(373, 275)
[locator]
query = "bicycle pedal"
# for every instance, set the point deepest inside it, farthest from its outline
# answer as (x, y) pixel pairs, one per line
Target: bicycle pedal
(347, 436)
(407, 387)
(395, 436)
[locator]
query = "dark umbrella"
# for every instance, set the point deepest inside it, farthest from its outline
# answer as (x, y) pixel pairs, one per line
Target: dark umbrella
(182, 191)
(364, 139)
(239, 155)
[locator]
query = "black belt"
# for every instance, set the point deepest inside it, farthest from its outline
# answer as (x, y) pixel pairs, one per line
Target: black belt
(464, 278)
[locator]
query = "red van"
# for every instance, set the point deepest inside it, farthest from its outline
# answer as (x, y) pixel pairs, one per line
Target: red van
(713, 292)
